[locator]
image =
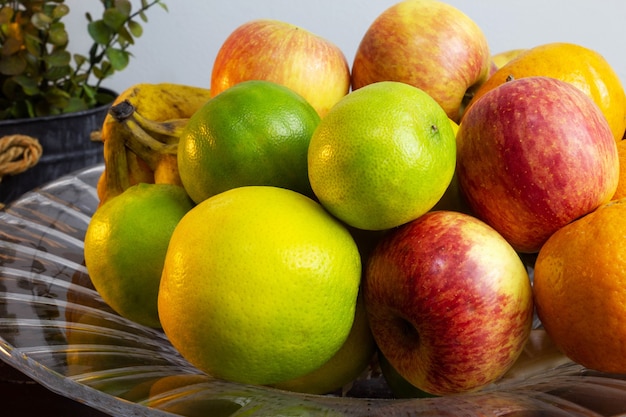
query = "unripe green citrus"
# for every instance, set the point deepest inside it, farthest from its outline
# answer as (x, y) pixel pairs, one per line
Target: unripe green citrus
(254, 133)
(125, 246)
(382, 156)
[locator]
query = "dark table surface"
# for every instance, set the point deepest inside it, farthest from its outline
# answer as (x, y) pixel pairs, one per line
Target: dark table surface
(21, 396)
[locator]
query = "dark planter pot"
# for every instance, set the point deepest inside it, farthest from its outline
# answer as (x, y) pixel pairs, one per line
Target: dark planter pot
(66, 145)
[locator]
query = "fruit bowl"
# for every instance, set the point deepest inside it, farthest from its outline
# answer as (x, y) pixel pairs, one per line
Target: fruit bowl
(56, 329)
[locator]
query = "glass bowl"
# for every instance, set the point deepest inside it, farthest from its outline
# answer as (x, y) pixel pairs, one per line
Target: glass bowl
(55, 328)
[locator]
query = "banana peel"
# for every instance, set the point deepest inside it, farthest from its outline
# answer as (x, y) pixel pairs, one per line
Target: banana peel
(166, 171)
(165, 101)
(140, 135)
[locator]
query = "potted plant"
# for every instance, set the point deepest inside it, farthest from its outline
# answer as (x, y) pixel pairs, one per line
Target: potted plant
(50, 99)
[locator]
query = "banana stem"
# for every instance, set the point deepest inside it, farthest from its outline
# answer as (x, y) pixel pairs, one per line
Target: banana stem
(141, 137)
(122, 111)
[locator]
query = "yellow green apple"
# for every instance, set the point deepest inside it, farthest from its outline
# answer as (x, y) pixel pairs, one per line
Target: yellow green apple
(273, 50)
(428, 44)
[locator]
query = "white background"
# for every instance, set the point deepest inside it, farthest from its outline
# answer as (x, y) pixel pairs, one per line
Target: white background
(180, 45)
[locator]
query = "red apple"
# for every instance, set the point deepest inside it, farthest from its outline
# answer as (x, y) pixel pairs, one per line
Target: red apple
(428, 44)
(532, 155)
(277, 51)
(449, 302)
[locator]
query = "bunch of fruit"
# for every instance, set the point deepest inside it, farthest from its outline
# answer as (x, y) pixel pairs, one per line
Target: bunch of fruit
(303, 219)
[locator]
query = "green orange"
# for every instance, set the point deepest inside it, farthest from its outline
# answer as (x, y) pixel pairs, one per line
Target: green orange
(383, 156)
(125, 246)
(253, 133)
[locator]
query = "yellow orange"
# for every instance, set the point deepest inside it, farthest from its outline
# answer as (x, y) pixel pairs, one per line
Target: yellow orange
(576, 64)
(501, 58)
(621, 184)
(580, 288)
(345, 366)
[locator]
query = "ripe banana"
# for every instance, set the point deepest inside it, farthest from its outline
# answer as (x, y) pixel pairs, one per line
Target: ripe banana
(140, 134)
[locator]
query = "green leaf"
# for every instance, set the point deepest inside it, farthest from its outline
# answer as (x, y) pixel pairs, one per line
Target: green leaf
(123, 6)
(103, 71)
(79, 79)
(11, 46)
(29, 85)
(32, 44)
(60, 11)
(38, 60)
(6, 14)
(41, 21)
(56, 93)
(29, 111)
(9, 90)
(106, 68)
(58, 34)
(124, 38)
(46, 6)
(118, 58)
(114, 19)
(42, 108)
(89, 92)
(98, 73)
(57, 73)
(58, 58)
(12, 65)
(135, 28)
(57, 97)
(80, 60)
(75, 104)
(99, 32)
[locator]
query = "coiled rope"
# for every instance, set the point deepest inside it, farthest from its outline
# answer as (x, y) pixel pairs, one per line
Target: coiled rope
(17, 154)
